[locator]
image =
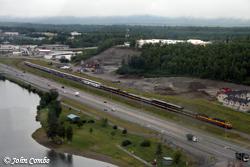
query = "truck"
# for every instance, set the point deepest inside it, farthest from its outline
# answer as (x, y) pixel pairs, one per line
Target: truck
(191, 137)
(242, 156)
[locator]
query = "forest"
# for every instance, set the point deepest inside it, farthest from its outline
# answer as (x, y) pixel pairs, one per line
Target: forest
(227, 61)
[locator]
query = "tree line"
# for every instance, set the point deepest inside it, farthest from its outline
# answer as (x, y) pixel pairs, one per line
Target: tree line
(227, 61)
(55, 130)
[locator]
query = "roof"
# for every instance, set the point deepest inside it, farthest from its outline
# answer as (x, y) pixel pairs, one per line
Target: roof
(72, 116)
(240, 100)
(168, 158)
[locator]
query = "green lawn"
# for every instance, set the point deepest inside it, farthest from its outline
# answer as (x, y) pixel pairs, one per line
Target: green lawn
(101, 141)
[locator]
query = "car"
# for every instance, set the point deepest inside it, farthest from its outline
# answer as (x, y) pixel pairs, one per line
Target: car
(105, 109)
(242, 156)
(191, 137)
(77, 94)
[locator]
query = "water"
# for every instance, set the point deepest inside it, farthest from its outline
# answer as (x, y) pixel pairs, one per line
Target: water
(17, 114)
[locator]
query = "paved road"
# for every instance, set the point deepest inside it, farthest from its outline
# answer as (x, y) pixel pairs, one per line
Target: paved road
(206, 149)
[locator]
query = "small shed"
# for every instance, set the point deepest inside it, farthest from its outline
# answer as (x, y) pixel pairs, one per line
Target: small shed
(73, 117)
(167, 161)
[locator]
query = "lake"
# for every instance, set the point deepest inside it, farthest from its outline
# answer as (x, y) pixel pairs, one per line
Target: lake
(17, 114)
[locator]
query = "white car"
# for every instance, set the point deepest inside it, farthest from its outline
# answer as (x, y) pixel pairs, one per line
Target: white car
(77, 94)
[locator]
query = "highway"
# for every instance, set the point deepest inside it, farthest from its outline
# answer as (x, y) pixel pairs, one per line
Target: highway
(208, 148)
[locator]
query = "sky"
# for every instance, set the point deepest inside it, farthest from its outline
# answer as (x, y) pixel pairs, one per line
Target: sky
(239, 9)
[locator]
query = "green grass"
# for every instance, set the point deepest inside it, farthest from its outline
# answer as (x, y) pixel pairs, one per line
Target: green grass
(101, 141)
(240, 121)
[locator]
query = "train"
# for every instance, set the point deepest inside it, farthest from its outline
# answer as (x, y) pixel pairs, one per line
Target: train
(215, 121)
(155, 102)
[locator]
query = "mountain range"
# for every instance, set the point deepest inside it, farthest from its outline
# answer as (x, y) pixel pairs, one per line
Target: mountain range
(132, 20)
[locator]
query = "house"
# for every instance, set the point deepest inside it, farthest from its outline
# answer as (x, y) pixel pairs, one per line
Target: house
(238, 100)
(73, 118)
(167, 161)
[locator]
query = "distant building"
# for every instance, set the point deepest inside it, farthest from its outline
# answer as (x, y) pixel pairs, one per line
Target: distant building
(54, 47)
(75, 33)
(5, 49)
(11, 33)
(141, 42)
(238, 100)
(49, 34)
(43, 52)
(57, 55)
(198, 42)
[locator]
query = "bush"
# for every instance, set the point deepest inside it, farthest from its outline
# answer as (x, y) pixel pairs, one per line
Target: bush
(104, 122)
(91, 121)
(114, 127)
(126, 143)
(145, 143)
(177, 157)
(124, 131)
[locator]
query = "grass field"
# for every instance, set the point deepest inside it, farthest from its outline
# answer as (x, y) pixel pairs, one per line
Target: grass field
(101, 141)
(240, 121)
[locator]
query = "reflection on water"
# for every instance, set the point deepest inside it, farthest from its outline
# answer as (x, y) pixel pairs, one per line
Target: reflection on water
(17, 114)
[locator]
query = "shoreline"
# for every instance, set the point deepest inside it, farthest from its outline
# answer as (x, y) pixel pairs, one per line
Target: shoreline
(40, 137)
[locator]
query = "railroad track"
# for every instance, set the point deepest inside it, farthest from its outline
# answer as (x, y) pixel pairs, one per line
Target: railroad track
(154, 102)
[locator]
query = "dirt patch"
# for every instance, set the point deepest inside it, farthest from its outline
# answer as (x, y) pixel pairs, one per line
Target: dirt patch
(196, 86)
(179, 86)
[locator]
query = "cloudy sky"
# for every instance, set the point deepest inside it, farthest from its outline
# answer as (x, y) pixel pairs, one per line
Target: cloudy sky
(170, 8)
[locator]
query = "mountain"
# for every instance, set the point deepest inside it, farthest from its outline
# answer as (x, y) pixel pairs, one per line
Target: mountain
(132, 20)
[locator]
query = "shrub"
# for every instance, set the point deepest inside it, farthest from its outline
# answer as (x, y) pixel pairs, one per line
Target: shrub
(124, 131)
(126, 143)
(91, 121)
(104, 122)
(115, 127)
(145, 143)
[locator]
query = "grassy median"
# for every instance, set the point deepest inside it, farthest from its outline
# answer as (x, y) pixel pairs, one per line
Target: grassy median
(104, 139)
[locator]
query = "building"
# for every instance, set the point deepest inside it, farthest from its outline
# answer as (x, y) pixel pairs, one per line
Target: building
(198, 42)
(49, 34)
(73, 117)
(238, 100)
(8, 49)
(11, 33)
(75, 33)
(57, 47)
(57, 55)
(141, 42)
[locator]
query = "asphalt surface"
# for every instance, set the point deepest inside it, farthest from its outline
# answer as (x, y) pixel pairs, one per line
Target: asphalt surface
(208, 149)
